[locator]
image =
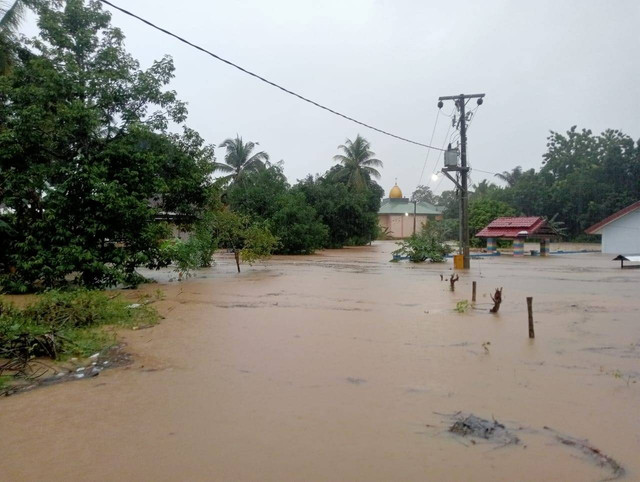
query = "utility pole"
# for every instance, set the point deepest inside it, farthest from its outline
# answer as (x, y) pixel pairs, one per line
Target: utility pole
(415, 208)
(463, 169)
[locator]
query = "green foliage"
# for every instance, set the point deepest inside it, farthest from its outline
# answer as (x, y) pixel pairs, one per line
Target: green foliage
(259, 243)
(314, 214)
(64, 323)
(350, 215)
(462, 306)
(584, 178)
(86, 161)
(483, 211)
(186, 255)
(297, 226)
(428, 244)
(239, 159)
(247, 240)
(358, 163)
(255, 194)
(424, 194)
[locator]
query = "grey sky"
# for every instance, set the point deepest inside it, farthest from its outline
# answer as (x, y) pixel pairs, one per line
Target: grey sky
(543, 65)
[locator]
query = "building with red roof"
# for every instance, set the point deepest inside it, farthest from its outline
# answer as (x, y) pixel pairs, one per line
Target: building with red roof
(519, 229)
(620, 231)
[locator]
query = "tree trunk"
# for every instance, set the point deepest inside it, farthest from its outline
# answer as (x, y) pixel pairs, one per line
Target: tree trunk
(237, 256)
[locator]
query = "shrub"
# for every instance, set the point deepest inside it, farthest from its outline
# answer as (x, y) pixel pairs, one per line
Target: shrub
(428, 244)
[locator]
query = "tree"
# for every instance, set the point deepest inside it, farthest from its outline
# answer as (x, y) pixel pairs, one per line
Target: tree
(256, 192)
(358, 162)
(11, 16)
(450, 202)
(350, 215)
(424, 194)
(265, 195)
(86, 162)
(239, 160)
(296, 225)
(247, 241)
(483, 211)
(511, 177)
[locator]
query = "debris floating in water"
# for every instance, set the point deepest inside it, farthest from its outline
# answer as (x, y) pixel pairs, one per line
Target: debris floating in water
(491, 430)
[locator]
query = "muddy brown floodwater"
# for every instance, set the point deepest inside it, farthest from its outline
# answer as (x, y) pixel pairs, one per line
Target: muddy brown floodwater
(343, 366)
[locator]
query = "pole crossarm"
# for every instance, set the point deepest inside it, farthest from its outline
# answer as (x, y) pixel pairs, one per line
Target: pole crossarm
(461, 96)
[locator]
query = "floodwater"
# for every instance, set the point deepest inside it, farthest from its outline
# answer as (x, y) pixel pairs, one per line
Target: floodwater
(343, 366)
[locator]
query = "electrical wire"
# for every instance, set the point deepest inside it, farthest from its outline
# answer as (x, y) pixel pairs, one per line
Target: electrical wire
(435, 165)
(435, 124)
(259, 77)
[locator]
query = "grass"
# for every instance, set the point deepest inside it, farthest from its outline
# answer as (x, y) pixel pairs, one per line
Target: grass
(63, 324)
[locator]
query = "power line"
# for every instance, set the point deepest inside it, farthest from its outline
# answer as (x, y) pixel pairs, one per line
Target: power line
(273, 84)
(435, 124)
(435, 166)
(485, 172)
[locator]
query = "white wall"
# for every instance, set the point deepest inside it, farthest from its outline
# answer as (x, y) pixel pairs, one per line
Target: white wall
(623, 235)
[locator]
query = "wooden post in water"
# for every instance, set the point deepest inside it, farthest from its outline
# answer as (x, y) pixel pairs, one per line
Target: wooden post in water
(473, 292)
(530, 310)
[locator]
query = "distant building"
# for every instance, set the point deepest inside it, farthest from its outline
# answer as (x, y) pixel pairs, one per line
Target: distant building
(620, 231)
(396, 214)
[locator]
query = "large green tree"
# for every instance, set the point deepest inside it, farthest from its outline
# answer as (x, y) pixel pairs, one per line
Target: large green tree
(265, 196)
(351, 215)
(86, 160)
(358, 162)
(424, 194)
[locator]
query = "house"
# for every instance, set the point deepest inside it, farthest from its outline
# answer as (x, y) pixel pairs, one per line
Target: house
(396, 214)
(519, 229)
(621, 231)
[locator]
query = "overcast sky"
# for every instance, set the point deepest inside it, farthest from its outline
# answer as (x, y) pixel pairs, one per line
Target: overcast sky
(544, 65)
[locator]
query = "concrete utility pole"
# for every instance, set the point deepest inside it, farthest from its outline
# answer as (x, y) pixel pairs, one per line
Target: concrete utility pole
(463, 187)
(415, 208)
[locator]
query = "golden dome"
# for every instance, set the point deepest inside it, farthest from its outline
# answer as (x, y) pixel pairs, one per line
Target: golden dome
(395, 192)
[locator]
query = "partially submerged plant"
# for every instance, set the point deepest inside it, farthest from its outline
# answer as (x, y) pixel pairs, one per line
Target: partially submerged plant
(462, 306)
(61, 324)
(428, 244)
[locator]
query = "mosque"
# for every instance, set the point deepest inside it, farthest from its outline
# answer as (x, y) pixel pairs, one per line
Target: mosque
(397, 212)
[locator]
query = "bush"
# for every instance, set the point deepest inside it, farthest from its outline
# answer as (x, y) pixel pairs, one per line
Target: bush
(428, 244)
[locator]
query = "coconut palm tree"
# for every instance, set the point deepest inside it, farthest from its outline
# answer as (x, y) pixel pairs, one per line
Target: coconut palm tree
(511, 177)
(358, 162)
(238, 159)
(11, 15)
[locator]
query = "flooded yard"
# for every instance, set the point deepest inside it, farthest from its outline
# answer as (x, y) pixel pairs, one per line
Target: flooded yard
(344, 366)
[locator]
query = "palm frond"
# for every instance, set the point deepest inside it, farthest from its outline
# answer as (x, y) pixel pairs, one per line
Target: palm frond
(372, 162)
(12, 15)
(219, 166)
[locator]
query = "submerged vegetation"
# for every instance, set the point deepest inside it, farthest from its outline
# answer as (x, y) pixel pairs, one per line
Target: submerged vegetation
(63, 324)
(428, 244)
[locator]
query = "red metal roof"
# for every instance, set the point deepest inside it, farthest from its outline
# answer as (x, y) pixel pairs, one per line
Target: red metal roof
(598, 226)
(511, 227)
